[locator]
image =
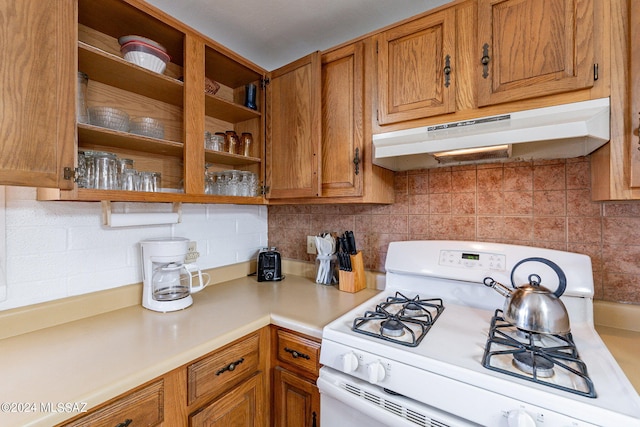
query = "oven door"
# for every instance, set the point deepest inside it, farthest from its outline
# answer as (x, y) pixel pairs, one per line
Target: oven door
(350, 402)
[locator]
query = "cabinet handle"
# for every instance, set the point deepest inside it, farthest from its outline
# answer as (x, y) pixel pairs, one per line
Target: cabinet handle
(485, 60)
(638, 135)
(125, 423)
(314, 422)
(230, 367)
(296, 354)
(356, 160)
(447, 71)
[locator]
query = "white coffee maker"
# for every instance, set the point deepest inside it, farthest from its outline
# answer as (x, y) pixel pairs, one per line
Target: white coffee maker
(167, 280)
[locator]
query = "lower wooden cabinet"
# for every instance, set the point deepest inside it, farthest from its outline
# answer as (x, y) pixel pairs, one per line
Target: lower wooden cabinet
(296, 363)
(265, 378)
(296, 400)
(141, 407)
(242, 406)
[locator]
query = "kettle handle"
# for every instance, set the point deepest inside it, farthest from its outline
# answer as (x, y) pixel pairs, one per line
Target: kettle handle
(555, 267)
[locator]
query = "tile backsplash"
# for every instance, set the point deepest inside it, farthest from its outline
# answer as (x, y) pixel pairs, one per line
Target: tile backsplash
(60, 249)
(543, 203)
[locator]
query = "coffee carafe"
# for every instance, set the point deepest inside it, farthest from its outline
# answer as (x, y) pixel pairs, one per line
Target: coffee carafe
(168, 281)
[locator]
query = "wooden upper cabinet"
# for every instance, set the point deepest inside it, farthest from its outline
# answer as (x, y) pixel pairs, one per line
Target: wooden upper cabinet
(38, 72)
(416, 68)
(342, 121)
(293, 129)
(533, 48)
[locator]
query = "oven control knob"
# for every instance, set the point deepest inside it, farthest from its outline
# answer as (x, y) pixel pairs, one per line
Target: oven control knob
(375, 372)
(519, 418)
(349, 362)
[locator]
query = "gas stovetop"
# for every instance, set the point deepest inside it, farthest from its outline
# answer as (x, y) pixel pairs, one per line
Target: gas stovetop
(400, 319)
(446, 345)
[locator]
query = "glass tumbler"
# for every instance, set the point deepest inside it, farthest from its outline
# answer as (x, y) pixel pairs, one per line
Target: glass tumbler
(105, 170)
(82, 113)
(130, 180)
(146, 181)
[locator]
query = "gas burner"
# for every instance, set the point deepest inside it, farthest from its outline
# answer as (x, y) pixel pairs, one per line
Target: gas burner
(392, 328)
(529, 362)
(400, 319)
(412, 309)
(547, 359)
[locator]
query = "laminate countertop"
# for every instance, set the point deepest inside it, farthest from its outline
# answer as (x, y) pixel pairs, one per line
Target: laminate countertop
(92, 360)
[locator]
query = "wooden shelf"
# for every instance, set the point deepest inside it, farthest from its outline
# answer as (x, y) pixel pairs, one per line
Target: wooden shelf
(229, 159)
(228, 111)
(88, 195)
(114, 71)
(96, 135)
(228, 71)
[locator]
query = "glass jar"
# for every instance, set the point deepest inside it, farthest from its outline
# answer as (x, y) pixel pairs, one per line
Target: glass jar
(219, 185)
(245, 184)
(232, 142)
(234, 183)
(246, 143)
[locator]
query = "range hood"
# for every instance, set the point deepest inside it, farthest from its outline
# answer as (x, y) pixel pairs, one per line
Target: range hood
(558, 132)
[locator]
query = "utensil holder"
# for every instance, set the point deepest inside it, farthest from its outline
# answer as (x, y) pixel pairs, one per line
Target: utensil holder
(354, 280)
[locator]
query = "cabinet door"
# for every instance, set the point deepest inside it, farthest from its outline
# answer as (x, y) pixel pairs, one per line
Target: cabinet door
(296, 400)
(416, 69)
(635, 94)
(37, 89)
(342, 121)
(243, 406)
(293, 153)
(532, 48)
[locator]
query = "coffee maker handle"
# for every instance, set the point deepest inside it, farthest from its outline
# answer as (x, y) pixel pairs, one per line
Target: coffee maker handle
(191, 268)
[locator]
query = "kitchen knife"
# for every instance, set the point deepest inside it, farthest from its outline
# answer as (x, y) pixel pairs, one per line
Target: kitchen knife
(351, 242)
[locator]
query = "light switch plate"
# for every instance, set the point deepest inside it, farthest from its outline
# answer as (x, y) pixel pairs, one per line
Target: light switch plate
(192, 253)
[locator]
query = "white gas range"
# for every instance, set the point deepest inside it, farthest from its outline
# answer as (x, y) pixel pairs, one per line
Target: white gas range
(437, 364)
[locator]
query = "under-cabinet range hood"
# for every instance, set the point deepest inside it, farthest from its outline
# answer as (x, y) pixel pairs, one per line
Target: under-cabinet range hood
(562, 131)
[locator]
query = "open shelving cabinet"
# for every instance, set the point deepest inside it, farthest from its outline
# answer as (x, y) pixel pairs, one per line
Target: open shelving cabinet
(177, 98)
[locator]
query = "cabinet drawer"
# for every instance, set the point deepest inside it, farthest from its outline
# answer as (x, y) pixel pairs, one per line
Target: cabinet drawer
(298, 351)
(144, 407)
(224, 368)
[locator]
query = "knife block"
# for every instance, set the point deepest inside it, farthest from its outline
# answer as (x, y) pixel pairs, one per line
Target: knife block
(354, 280)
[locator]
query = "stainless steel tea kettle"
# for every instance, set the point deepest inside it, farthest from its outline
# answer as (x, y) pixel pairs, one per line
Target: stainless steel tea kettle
(532, 307)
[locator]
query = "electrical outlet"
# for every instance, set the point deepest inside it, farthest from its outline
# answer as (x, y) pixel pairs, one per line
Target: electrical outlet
(311, 245)
(192, 253)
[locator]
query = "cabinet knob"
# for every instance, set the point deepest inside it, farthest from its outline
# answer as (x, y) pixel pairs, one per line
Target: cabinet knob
(485, 60)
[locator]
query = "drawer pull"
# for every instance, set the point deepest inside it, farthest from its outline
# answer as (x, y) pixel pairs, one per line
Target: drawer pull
(125, 423)
(230, 367)
(296, 354)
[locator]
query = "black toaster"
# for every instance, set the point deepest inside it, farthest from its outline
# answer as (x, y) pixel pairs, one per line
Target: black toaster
(269, 265)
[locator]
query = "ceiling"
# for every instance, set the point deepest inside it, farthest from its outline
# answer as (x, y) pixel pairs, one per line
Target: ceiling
(272, 33)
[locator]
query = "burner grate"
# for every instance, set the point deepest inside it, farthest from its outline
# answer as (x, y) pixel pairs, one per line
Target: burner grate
(411, 318)
(561, 357)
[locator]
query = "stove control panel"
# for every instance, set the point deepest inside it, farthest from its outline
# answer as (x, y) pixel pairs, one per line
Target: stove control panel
(473, 260)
